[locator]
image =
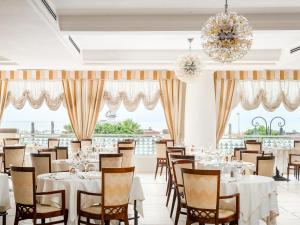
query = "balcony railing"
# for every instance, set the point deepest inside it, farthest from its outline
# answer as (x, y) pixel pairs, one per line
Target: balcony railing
(145, 145)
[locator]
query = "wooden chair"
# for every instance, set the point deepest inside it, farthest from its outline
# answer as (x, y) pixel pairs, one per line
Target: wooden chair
(52, 152)
(294, 160)
(237, 153)
(1, 162)
(250, 156)
(171, 181)
(202, 194)
(110, 160)
(253, 146)
(13, 156)
(27, 206)
(128, 156)
(11, 141)
(62, 152)
(53, 142)
(161, 156)
(126, 143)
(113, 201)
(41, 163)
(75, 146)
(177, 165)
(265, 165)
(87, 142)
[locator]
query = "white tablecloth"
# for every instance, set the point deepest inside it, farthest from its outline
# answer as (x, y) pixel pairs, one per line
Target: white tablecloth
(4, 192)
(258, 199)
(225, 166)
(72, 183)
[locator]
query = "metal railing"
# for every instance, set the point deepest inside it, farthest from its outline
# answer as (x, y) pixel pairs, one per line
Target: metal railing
(145, 145)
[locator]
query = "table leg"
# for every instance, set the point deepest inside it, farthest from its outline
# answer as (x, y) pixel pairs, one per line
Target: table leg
(136, 215)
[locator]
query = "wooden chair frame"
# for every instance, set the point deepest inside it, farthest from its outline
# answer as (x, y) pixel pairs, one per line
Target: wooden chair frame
(41, 156)
(195, 215)
(295, 167)
(53, 139)
(161, 162)
(107, 213)
(261, 158)
(85, 139)
(49, 150)
(10, 139)
(24, 212)
(11, 148)
(62, 148)
(108, 155)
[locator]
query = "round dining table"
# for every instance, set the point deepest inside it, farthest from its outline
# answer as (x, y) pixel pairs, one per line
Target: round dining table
(84, 181)
(258, 198)
(4, 193)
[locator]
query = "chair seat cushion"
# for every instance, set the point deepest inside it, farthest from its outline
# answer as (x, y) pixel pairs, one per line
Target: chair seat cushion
(225, 213)
(46, 208)
(94, 209)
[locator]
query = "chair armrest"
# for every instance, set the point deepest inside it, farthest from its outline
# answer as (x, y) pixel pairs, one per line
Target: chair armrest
(61, 192)
(85, 193)
(230, 196)
(237, 202)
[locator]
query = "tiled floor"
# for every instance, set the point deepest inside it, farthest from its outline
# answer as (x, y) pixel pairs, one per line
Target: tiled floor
(156, 213)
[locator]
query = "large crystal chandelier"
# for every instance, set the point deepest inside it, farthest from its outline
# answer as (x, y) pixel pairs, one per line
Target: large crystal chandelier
(188, 66)
(227, 36)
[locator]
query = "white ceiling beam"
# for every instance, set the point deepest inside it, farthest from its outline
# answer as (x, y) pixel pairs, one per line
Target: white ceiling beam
(84, 23)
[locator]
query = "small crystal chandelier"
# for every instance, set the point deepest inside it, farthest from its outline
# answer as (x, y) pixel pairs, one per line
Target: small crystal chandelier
(188, 67)
(227, 36)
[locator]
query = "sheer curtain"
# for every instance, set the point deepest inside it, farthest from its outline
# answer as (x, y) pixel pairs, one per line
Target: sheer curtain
(36, 92)
(269, 93)
(131, 94)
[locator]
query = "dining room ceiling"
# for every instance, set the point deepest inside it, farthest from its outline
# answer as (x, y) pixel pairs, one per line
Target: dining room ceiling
(121, 34)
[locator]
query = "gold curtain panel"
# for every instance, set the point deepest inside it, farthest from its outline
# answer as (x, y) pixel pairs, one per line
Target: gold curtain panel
(87, 75)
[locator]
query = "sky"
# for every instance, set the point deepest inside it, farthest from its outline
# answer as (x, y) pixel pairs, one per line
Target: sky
(155, 119)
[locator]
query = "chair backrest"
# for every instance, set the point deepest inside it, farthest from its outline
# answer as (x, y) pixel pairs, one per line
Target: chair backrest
(23, 181)
(53, 142)
(13, 156)
(116, 186)
(202, 190)
(11, 141)
(265, 165)
(177, 166)
(186, 157)
(41, 163)
(250, 156)
(61, 152)
(128, 156)
(52, 152)
(110, 161)
(253, 146)
(126, 144)
(237, 153)
(75, 146)
(86, 142)
(173, 152)
(297, 145)
(161, 150)
(178, 148)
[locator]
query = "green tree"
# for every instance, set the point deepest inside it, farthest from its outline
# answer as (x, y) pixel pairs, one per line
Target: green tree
(260, 130)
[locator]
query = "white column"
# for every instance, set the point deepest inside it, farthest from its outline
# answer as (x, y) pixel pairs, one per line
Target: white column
(200, 115)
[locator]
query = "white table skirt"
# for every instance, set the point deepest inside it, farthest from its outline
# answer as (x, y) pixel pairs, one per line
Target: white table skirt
(258, 199)
(4, 192)
(72, 183)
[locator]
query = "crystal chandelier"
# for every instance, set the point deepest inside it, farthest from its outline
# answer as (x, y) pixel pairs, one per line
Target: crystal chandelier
(188, 67)
(227, 36)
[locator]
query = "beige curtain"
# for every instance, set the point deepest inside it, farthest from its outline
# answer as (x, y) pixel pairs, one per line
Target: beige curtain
(83, 101)
(225, 101)
(3, 96)
(173, 100)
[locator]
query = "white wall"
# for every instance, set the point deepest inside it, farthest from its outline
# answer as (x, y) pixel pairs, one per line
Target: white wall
(200, 115)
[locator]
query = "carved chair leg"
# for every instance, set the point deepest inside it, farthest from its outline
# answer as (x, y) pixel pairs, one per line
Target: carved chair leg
(161, 169)
(288, 172)
(177, 212)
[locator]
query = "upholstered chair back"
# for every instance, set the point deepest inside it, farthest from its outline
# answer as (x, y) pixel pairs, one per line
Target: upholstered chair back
(110, 160)
(161, 150)
(116, 186)
(61, 152)
(255, 146)
(53, 142)
(169, 143)
(75, 146)
(11, 141)
(250, 156)
(23, 181)
(265, 166)
(52, 152)
(128, 156)
(297, 145)
(237, 153)
(41, 163)
(173, 152)
(126, 144)
(202, 188)
(177, 166)
(13, 156)
(85, 143)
